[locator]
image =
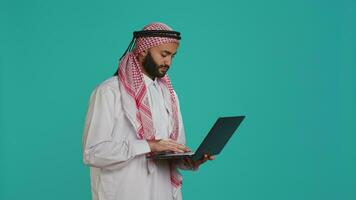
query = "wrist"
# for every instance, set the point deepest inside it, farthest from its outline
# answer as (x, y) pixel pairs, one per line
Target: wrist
(152, 145)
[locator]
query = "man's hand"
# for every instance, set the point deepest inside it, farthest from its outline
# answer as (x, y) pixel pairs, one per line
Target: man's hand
(167, 145)
(196, 163)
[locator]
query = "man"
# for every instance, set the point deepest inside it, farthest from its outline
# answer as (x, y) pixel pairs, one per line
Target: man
(135, 113)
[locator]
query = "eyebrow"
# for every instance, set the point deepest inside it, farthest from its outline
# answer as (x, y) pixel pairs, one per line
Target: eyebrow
(168, 52)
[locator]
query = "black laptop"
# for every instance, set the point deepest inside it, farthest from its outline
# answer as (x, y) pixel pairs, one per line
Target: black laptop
(212, 144)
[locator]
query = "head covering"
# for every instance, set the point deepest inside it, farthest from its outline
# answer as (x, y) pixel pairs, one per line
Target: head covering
(134, 92)
(143, 43)
(152, 35)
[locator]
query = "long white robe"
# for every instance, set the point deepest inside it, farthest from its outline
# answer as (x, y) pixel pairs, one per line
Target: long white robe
(118, 167)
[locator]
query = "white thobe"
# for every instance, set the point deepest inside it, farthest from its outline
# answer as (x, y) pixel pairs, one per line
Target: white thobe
(118, 166)
(159, 112)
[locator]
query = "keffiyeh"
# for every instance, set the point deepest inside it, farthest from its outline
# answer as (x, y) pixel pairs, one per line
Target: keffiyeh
(135, 99)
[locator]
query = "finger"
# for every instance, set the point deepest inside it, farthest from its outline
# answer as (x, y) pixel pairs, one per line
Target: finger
(166, 145)
(211, 157)
(183, 148)
(174, 149)
(179, 146)
(207, 157)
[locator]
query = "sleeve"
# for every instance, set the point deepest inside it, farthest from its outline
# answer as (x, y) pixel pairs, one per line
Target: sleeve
(99, 148)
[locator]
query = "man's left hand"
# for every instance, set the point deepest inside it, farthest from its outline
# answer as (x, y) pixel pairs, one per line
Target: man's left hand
(196, 163)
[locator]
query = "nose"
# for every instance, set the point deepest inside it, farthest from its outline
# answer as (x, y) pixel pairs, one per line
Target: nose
(168, 60)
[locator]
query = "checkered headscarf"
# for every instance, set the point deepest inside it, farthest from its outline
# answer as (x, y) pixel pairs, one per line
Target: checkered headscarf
(144, 43)
(132, 84)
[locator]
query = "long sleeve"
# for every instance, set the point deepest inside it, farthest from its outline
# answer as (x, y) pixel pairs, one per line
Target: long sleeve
(102, 146)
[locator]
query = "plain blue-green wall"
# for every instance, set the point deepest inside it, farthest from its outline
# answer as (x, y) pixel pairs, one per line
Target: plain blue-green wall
(289, 66)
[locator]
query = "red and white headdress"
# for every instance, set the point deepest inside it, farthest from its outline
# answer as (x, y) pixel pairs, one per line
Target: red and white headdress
(135, 99)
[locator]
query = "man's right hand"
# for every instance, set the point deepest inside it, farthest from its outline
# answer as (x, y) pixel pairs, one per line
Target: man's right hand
(167, 145)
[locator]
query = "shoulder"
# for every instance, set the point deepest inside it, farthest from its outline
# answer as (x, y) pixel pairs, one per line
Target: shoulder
(110, 87)
(111, 83)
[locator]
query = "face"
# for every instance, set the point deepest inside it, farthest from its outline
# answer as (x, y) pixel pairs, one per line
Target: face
(158, 59)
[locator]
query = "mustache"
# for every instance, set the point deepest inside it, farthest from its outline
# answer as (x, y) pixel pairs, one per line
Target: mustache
(164, 66)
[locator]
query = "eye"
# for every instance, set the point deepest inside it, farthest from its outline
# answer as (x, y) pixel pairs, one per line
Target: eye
(164, 55)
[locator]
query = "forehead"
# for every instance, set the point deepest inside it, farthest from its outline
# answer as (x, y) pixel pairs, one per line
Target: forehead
(170, 47)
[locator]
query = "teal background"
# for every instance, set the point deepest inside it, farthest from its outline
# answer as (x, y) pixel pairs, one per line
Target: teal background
(289, 66)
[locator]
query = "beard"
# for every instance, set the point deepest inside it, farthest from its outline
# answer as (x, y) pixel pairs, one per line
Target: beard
(152, 68)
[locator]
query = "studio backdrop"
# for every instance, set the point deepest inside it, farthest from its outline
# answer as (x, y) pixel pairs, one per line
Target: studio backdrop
(289, 66)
